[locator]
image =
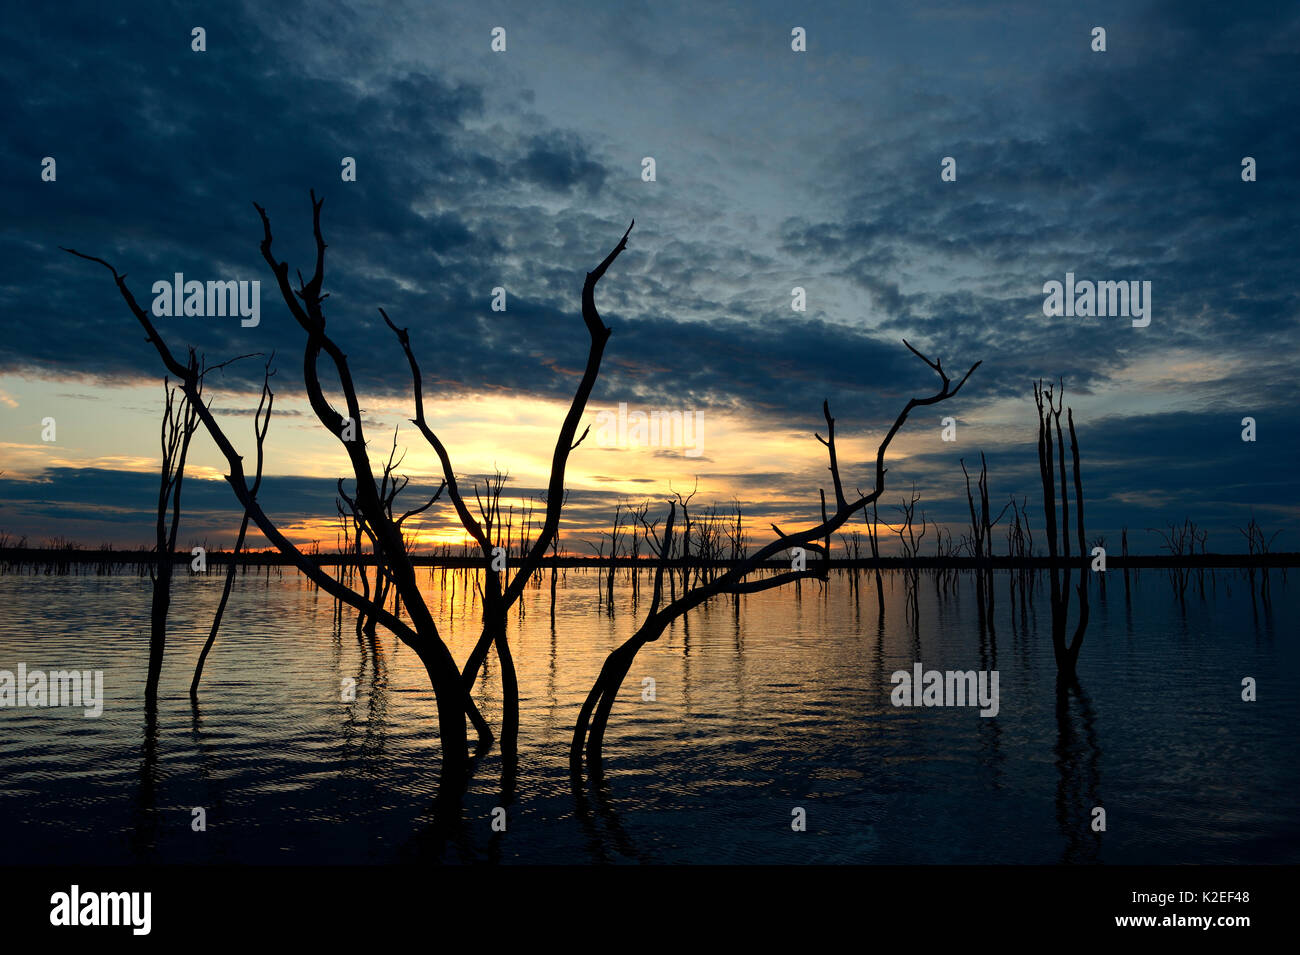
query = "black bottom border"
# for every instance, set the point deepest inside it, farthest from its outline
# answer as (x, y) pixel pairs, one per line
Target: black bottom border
(337, 904)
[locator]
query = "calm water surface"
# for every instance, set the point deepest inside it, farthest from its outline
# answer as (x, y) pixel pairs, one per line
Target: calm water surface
(781, 702)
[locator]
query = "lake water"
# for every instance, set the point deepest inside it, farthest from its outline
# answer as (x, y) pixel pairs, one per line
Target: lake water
(780, 703)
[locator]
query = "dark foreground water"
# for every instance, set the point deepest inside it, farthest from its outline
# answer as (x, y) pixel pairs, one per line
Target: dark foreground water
(784, 703)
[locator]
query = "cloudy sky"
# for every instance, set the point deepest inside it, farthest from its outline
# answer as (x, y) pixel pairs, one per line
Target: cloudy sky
(774, 169)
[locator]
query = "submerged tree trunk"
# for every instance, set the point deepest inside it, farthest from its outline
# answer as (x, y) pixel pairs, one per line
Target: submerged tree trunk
(593, 718)
(305, 305)
(179, 423)
(1051, 456)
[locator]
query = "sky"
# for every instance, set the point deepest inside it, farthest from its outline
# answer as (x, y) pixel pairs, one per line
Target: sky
(774, 169)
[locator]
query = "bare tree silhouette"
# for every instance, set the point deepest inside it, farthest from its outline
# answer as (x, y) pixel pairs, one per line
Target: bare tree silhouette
(555, 553)
(1020, 546)
(1180, 540)
(390, 486)
(179, 422)
(373, 501)
(589, 730)
(1049, 457)
(981, 539)
(910, 543)
(873, 538)
(503, 590)
(1258, 544)
(305, 304)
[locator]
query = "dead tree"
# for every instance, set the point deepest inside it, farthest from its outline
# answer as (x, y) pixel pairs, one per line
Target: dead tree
(1020, 547)
(500, 593)
(910, 542)
(180, 420)
(452, 686)
(1200, 537)
(306, 306)
(688, 525)
(873, 538)
(598, 548)
(1058, 548)
(944, 553)
(261, 422)
(615, 543)
(852, 545)
(737, 538)
(737, 547)
(555, 567)
(589, 730)
(1258, 544)
(1180, 541)
(982, 539)
(637, 513)
(354, 529)
(390, 486)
